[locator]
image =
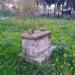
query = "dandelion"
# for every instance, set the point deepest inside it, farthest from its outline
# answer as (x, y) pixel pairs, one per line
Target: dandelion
(65, 55)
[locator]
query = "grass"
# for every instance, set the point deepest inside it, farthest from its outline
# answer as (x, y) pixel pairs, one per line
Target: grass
(62, 61)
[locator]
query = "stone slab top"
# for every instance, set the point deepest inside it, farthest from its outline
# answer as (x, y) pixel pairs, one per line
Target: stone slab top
(36, 35)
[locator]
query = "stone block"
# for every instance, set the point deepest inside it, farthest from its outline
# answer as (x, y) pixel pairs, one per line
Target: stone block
(37, 46)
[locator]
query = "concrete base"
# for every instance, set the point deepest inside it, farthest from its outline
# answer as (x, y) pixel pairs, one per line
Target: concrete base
(43, 57)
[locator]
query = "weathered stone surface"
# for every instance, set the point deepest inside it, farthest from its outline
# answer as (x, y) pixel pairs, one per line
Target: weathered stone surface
(36, 35)
(37, 46)
(44, 56)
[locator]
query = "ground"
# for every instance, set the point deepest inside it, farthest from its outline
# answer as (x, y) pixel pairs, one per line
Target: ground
(62, 60)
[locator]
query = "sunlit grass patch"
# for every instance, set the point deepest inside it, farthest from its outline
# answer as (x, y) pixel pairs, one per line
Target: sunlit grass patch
(62, 60)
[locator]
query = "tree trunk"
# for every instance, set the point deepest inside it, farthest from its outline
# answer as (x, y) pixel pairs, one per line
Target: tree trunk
(3, 7)
(62, 10)
(58, 8)
(55, 10)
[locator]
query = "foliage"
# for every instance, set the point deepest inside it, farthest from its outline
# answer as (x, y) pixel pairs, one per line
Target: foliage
(4, 10)
(61, 62)
(25, 3)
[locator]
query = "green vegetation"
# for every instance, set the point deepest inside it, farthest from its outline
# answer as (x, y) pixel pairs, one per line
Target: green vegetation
(62, 61)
